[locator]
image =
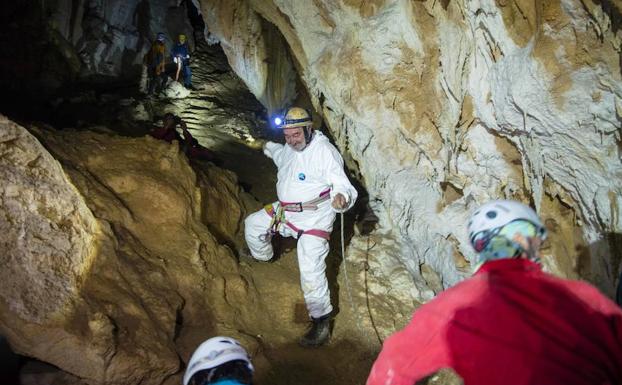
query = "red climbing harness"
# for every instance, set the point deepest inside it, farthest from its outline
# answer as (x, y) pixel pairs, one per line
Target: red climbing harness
(278, 215)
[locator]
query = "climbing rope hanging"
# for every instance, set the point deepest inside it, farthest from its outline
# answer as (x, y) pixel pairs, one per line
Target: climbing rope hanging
(347, 281)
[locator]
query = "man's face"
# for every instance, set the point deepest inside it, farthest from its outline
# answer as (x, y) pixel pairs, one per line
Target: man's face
(295, 137)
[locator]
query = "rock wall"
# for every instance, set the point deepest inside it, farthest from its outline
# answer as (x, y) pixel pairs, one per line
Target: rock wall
(444, 105)
(109, 271)
(49, 235)
(256, 51)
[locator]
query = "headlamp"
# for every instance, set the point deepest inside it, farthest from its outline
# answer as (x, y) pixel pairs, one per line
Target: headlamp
(277, 119)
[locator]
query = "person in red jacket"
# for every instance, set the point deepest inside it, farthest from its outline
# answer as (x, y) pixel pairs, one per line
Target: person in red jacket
(189, 144)
(193, 149)
(168, 131)
(510, 323)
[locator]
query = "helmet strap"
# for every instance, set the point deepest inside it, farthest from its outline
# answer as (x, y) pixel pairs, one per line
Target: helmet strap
(532, 251)
(308, 132)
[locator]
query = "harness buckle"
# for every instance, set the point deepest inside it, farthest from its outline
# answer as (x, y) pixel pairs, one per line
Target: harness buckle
(294, 207)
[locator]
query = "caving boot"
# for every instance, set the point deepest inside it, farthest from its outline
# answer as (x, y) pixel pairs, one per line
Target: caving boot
(318, 334)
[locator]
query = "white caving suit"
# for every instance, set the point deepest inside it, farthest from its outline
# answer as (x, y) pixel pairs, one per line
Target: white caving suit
(302, 176)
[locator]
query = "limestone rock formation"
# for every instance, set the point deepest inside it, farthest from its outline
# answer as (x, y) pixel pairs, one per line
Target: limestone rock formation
(108, 270)
(444, 105)
(256, 51)
(49, 236)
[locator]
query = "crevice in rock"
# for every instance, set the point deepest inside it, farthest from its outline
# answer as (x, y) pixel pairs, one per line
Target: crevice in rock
(451, 193)
(11, 363)
(281, 77)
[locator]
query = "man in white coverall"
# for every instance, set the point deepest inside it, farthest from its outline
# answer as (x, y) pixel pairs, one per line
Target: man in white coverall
(311, 188)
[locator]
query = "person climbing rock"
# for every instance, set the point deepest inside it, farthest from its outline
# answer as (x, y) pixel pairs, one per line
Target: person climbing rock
(311, 187)
(219, 360)
(181, 57)
(168, 131)
(190, 146)
(510, 323)
(156, 65)
(193, 149)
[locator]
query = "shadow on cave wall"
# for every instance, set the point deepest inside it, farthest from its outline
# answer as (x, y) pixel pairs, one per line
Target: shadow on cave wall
(11, 364)
(595, 254)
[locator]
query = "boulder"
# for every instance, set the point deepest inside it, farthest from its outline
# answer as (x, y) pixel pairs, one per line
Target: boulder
(109, 271)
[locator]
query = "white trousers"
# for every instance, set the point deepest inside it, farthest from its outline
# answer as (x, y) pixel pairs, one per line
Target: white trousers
(312, 252)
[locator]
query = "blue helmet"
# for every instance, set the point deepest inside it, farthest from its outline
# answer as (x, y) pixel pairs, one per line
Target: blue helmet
(160, 36)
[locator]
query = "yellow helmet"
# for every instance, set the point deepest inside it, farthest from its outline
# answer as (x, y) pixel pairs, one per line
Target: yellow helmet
(182, 38)
(296, 117)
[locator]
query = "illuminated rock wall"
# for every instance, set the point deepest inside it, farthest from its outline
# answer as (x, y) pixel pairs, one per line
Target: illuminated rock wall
(444, 105)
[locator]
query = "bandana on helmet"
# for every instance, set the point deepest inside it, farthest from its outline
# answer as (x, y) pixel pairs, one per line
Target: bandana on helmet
(498, 243)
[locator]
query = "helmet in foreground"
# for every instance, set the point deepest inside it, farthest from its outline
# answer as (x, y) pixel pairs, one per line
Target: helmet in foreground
(495, 228)
(214, 353)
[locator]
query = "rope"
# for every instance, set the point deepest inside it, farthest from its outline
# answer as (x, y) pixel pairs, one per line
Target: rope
(369, 311)
(345, 273)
